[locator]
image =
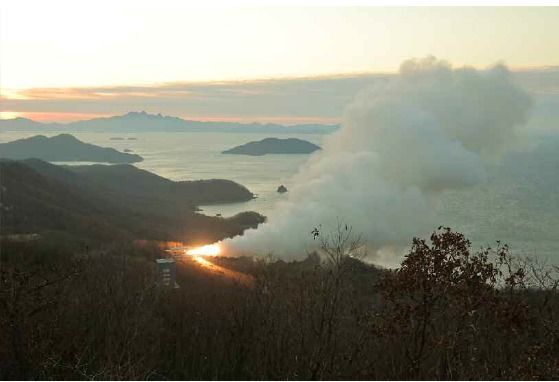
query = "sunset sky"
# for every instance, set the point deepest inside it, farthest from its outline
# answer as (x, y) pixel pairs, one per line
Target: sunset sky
(68, 60)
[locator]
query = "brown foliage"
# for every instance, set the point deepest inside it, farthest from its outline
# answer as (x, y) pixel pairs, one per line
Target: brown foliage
(455, 314)
(445, 313)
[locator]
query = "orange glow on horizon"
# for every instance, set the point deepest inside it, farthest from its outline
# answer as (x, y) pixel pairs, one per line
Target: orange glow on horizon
(205, 250)
(65, 117)
(47, 117)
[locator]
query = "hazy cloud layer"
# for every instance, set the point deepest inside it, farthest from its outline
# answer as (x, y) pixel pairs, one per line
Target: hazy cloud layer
(320, 99)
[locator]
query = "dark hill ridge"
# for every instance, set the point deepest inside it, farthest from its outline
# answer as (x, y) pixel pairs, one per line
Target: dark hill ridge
(110, 202)
(63, 148)
(142, 189)
(132, 181)
(274, 146)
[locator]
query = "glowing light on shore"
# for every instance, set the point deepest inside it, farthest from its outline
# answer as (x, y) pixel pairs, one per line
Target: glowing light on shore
(222, 271)
(205, 250)
(203, 262)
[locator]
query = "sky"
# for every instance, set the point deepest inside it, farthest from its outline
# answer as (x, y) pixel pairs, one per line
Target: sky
(68, 60)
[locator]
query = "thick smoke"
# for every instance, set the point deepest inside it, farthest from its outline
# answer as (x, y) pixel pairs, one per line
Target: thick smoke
(401, 144)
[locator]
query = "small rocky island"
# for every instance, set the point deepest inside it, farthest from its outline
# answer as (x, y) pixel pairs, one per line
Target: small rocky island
(63, 148)
(274, 146)
(282, 189)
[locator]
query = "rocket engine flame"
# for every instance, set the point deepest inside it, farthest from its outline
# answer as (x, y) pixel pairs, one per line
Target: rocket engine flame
(205, 250)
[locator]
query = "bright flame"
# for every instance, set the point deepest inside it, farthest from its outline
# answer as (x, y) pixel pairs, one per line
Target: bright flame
(203, 262)
(205, 250)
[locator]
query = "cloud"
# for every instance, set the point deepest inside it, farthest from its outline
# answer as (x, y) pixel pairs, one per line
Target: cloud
(318, 99)
(313, 99)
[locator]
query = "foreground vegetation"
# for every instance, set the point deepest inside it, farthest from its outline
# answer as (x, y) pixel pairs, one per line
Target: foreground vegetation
(445, 313)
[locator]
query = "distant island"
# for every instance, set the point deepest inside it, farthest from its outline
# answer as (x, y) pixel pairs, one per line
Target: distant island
(274, 146)
(137, 122)
(63, 148)
(122, 138)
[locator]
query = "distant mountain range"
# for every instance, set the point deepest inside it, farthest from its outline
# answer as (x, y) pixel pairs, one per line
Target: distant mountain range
(137, 122)
(63, 148)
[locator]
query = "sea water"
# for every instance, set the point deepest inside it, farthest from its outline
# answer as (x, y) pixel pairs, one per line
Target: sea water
(518, 205)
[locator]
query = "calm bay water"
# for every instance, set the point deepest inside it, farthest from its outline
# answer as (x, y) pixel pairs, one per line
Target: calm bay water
(518, 205)
(193, 156)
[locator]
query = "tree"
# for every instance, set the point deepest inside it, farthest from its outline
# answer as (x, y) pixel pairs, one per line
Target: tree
(443, 296)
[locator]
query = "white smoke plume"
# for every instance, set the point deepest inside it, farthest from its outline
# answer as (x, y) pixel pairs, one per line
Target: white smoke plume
(401, 143)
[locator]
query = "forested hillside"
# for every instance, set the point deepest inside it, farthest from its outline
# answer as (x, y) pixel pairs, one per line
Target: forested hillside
(114, 202)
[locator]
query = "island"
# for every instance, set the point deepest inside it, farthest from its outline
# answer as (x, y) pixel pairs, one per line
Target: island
(274, 146)
(63, 148)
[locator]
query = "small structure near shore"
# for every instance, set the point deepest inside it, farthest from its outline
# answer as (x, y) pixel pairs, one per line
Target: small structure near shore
(282, 189)
(167, 273)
